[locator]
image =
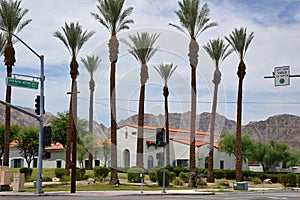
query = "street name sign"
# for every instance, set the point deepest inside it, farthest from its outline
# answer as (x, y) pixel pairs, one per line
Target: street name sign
(22, 83)
(282, 75)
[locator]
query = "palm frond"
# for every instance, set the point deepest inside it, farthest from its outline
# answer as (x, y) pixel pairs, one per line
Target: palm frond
(217, 50)
(239, 41)
(74, 37)
(165, 71)
(192, 19)
(11, 15)
(141, 46)
(91, 63)
(112, 15)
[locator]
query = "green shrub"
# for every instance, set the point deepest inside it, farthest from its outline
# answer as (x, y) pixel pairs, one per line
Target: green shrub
(292, 180)
(273, 177)
(160, 177)
(184, 176)
(201, 183)
(177, 169)
(59, 172)
(46, 179)
(218, 173)
(101, 171)
(256, 180)
(178, 182)
(65, 179)
(153, 175)
(229, 174)
(284, 179)
(80, 174)
(27, 172)
(133, 174)
(172, 176)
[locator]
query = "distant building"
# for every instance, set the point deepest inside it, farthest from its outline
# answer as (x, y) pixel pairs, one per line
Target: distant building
(127, 142)
(179, 149)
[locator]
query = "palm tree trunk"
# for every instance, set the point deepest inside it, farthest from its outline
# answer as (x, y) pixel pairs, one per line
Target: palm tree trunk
(241, 73)
(192, 179)
(9, 60)
(166, 94)
(74, 138)
(114, 173)
(7, 122)
(113, 57)
(193, 58)
(216, 81)
(91, 117)
(140, 144)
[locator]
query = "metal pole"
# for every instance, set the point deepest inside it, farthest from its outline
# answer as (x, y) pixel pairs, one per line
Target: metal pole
(40, 153)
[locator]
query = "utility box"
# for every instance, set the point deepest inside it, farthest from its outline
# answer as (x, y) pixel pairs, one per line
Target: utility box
(18, 184)
(240, 186)
(6, 176)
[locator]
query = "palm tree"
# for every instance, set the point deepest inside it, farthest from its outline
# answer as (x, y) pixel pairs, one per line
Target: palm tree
(73, 37)
(114, 18)
(142, 48)
(240, 42)
(165, 72)
(193, 21)
(217, 51)
(91, 64)
(11, 15)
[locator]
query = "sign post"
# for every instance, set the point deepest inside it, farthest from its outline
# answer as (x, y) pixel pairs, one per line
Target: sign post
(282, 75)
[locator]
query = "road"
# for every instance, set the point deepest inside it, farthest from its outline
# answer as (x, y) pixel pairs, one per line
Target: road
(278, 195)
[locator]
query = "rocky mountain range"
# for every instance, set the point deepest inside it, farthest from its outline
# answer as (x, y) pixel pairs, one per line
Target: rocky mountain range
(283, 128)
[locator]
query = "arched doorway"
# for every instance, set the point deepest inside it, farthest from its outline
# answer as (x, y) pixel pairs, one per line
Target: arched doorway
(126, 158)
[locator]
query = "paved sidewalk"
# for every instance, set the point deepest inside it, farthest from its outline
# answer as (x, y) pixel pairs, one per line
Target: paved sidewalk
(108, 193)
(131, 192)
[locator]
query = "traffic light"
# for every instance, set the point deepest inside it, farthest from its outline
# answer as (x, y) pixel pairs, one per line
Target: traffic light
(37, 105)
(47, 136)
(160, 137)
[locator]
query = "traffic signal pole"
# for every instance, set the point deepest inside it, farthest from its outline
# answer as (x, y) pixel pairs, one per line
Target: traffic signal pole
(40, 117)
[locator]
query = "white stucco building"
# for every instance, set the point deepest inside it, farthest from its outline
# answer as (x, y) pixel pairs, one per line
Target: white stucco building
(179, 149)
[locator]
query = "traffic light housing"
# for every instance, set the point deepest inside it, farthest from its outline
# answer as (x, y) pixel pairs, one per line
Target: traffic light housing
(37, 104)
(160, 137)
(47, 136)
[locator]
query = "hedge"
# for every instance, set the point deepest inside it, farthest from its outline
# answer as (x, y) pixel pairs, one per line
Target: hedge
(133, 174)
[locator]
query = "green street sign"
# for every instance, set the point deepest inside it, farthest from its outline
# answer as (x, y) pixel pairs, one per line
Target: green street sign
(22, 83)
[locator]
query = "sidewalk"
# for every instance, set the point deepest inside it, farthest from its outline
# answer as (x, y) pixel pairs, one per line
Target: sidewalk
(108, 193)
(131, 192)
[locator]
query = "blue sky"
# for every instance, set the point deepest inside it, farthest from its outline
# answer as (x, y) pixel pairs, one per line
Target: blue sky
(275, 23)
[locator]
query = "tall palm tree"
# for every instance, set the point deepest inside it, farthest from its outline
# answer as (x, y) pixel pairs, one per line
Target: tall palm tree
(193, 21)
(141, 46)
(240, 42)
(114, 18)
(165, 72)
(91, 64)
(218, 51)
(73, 37)
(11, 20)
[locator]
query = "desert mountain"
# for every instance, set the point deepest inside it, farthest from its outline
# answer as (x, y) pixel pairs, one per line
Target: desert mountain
(283, 128)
